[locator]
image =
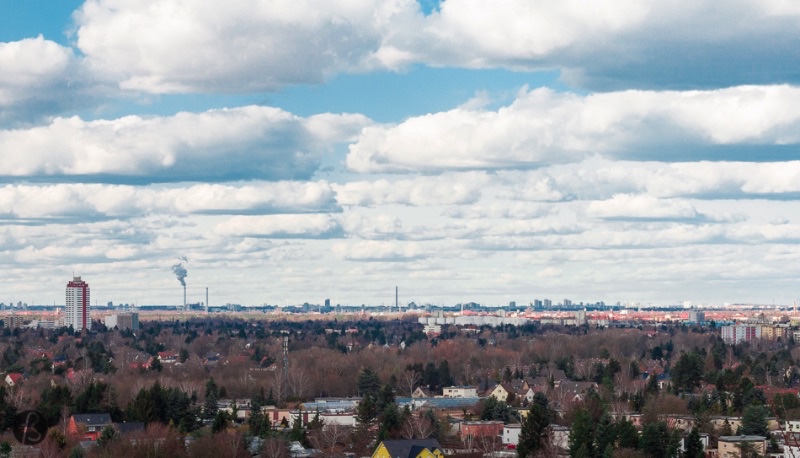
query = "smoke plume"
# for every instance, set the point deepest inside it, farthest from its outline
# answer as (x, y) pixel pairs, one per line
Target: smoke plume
(180, 272)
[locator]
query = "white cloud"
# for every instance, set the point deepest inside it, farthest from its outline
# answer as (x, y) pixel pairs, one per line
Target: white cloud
(226, 144)
(40, 77)
(610, 44)
(163, 46)
(31, 63)
(642, 206)
(372, 250)
(598, 179)
(279, 226)
(446, 189)
(542, 127)
(91, 201)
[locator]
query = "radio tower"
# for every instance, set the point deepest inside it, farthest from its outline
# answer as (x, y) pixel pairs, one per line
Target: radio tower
(285, 358)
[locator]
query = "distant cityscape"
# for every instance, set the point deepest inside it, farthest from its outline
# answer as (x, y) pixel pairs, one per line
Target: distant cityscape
(326, 306)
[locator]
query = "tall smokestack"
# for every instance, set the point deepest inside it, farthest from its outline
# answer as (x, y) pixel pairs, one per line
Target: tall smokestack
(396, 298)
(180, 274)
(206, 299)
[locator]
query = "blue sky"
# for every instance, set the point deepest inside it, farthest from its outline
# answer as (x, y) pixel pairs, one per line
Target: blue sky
(461, 150)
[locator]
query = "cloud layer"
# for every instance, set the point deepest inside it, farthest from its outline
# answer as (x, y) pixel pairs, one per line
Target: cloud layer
(662, 166)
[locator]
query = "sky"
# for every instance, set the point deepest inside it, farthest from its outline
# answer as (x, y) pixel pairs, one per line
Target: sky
(290, 151)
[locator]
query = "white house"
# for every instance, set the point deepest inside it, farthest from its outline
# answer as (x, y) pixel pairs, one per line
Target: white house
(511, 434)
(340, 419)
(460, 392)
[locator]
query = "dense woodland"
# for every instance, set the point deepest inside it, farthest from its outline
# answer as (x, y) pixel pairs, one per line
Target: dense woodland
(116, 372)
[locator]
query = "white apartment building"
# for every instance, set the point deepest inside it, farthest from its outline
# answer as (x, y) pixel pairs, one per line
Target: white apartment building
(77, 310)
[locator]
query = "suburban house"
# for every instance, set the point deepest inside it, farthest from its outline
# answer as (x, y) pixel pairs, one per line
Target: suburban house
(731, 446)
(168, 357)
(481, 429)
(88, 426)
(13, 379)
(510, 436)
(572, 391)
(421, 392)
(409, 448)
(721, 423)
(460, 392)
(502, 391)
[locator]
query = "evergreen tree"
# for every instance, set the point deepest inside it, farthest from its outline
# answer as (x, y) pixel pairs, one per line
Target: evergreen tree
(445, 379)
(687, 373)
(694, 446)
(605, 434)
(581, 438)
(390, 422)
(210, 407)
(316, 423)
(368, 383)
(655, 440)
(220, 422)
(106, 436)
(297, 433)
(754, 421)
(432, 377)
(652, 384)
(366, 412)
(385, 398)
(627, 435)
(52, 401)
(493, 409)
(531, 435)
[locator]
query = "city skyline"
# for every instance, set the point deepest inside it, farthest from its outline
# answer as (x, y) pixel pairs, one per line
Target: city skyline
(463, 150)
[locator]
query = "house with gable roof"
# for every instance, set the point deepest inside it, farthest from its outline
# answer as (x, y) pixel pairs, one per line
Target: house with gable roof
(409, 448)
(88, 426)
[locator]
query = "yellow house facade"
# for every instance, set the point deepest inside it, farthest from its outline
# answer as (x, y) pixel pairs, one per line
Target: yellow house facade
(409, 448)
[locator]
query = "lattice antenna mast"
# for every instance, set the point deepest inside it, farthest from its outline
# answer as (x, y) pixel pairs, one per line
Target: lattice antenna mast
(285, 358)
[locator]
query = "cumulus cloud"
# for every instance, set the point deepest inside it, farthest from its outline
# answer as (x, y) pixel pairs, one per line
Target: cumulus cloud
(372, 250)
(446, 189)
(258, 45)
(612, 44)
(103, 201)
(600, 179)
(642, 206)
(40, 77)
(163, 46)
(280, 226)
(542, 127)
(226, 144)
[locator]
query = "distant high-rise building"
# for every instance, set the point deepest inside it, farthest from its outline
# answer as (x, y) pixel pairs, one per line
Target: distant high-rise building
(547, 303)
(697, 317)
(122, 321)
(567, 303)
(14, 321)
(733, 335)
(77, 312)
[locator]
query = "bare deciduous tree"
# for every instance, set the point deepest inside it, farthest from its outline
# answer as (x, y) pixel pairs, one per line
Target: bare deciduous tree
(410, 381)
(298, 382)
(417, 427)
(329, 438)
(274, 448)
